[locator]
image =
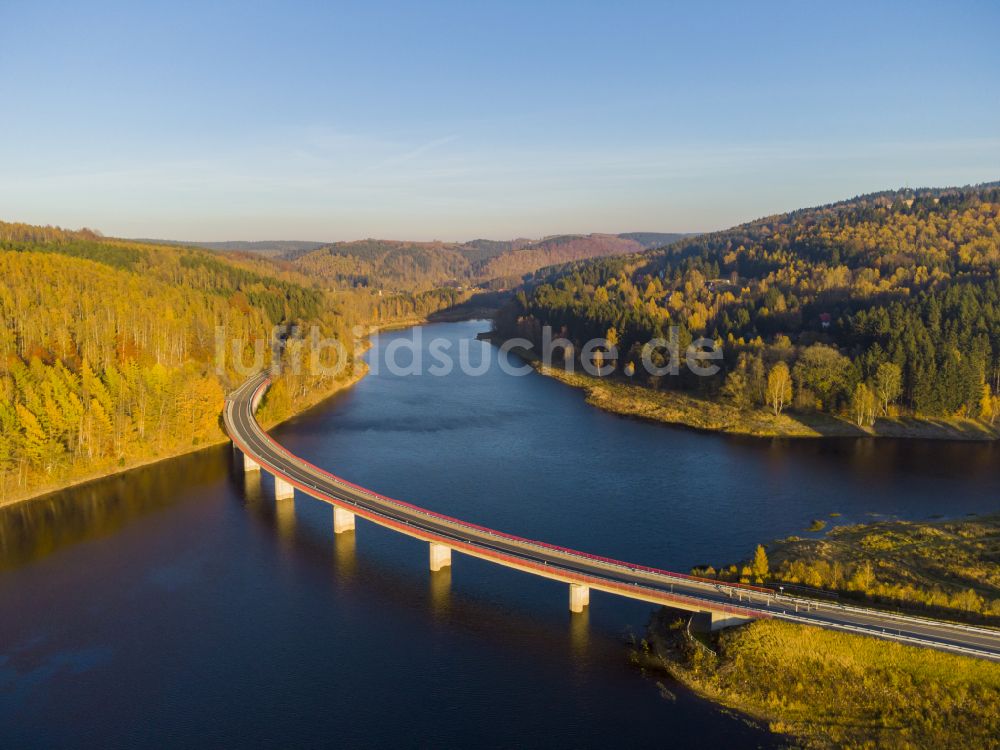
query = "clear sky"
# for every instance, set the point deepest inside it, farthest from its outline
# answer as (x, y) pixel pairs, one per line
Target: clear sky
(452, 120)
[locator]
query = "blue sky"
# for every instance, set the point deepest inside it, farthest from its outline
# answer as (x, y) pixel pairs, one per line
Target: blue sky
(454, 120)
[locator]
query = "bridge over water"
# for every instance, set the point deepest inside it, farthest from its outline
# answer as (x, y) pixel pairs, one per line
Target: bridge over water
(717, 604)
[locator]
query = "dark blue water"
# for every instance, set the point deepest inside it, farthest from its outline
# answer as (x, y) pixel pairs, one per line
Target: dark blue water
(180, 606)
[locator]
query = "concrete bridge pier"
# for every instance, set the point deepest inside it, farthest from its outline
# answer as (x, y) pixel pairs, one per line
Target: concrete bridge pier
(579, 597)
(440, 556)
(710, 621)
(343, 520)
(282, 489)
(249, 464)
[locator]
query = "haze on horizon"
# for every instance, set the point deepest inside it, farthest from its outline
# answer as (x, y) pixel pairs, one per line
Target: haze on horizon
(446, 121)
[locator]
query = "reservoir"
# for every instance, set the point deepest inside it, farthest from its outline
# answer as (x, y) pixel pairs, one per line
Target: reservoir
(179, 605)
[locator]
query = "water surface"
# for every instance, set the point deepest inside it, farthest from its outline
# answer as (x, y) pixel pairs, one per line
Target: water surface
(179, 605)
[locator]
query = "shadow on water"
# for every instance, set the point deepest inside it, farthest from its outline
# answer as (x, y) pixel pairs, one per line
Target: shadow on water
(270, 629)
(868, 457)
(440, 593)
(314, 546)
(36, 528)
(455, 611)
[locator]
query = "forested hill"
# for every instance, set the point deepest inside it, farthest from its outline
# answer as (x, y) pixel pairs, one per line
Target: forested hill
(108, 348)
(564, 248)
(883, 304)
(395, 265)
(266, 248)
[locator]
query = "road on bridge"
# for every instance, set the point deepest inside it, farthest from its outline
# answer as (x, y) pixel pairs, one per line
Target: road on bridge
(575, 567)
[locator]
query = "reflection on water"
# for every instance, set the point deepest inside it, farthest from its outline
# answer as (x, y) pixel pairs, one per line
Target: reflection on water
(34, 529)
(253, 491)
(440, 592)
(579, 633)
(881, 459)
(249, 622)
(284, 517)
(344, 554)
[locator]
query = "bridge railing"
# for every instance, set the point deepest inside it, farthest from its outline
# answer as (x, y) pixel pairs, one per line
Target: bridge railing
(888, 634)
(500, 534)
(901, 616)
(635, 589)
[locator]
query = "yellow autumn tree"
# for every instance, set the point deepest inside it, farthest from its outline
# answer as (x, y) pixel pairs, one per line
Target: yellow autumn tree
(779, 387)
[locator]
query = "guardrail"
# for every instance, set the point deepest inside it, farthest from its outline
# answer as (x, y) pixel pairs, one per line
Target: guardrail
(493, 532)
(450, 531)
(892, 636)
(928, 621)
(632, 590)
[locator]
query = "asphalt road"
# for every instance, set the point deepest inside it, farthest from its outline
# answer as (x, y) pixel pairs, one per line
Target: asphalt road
(571, 566)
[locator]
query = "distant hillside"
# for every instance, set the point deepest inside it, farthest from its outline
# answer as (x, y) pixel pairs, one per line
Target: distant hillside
(267, 248)
(395, 264)
(883, 304)
(479, 251)
(554, 250)
(385, 264)
(651, 240)
(404, 265)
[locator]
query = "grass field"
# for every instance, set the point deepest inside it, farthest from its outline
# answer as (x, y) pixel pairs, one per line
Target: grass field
(947, 568)
(825, 689)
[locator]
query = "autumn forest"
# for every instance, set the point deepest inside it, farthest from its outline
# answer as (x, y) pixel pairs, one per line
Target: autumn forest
(108, 352)
(879, 306)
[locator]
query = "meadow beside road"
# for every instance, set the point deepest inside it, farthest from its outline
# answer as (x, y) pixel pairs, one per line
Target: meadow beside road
(829, 689)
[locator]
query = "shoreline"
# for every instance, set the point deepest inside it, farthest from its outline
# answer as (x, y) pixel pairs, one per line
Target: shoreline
(311, 403)
(613, 397)
(82, 481)
(817, 688)
(679, 409)
(360, 372)
(701, 685)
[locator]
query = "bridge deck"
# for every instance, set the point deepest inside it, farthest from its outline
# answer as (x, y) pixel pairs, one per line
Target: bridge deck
(574, 567)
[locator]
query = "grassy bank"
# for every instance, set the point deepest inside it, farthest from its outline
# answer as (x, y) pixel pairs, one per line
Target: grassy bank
(828, 689)
(944, 568)
(831, 689)
(673, 407)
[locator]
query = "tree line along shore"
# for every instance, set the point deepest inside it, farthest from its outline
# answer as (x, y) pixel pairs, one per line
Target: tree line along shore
(878, 315)
(116, 353)
(622, 395)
